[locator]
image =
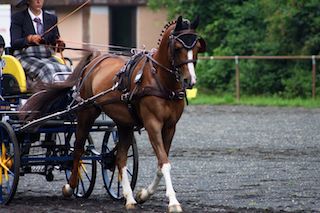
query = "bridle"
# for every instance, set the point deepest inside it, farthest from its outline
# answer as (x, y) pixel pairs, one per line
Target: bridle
(188, 39)
(182, 37)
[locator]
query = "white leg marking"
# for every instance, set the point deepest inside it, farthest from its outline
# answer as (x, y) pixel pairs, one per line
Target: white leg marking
(146, 193)
(170, 193)
(127, 191)
(191, 68)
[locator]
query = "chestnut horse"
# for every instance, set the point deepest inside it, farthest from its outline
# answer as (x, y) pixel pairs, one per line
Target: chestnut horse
(147, 92)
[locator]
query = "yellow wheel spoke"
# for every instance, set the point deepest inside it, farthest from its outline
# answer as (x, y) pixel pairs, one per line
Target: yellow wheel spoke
(4, 167)
(3, 152)
(79, 170)
(5, 161)
(83, 167)
(6, 174)
(0, 175)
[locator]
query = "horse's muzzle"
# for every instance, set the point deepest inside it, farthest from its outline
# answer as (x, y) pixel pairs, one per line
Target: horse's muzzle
(188, 84)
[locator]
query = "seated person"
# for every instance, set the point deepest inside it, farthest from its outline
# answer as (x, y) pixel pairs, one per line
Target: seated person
(32, 45)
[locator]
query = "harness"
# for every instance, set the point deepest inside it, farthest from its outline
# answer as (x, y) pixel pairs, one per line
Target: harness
(124, 76)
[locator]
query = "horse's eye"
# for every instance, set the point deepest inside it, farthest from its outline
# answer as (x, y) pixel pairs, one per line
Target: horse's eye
(178, 46)
(178, 49)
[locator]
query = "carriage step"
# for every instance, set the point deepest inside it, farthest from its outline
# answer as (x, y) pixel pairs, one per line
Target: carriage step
(33, 169)
(38, 169)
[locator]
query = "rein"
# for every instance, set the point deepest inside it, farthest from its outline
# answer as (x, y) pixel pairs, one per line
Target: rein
(66, 48)
(76, 107)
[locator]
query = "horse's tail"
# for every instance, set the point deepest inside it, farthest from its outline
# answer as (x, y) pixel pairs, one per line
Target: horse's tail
(48, 95)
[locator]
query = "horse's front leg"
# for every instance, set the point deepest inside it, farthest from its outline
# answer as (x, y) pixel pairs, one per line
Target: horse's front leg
(125, 141)
(161, 139)
(86, 119)
(144, 194)
(174, 205)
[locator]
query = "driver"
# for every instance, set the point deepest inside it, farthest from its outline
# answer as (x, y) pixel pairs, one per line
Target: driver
(32, 45)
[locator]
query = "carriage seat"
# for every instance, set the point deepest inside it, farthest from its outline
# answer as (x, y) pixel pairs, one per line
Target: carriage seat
(14, 81)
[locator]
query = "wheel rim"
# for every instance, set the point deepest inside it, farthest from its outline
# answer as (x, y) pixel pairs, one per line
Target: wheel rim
(110, 172)
(9, 163)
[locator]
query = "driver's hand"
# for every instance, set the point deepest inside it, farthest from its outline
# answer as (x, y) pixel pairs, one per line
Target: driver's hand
(36, 39)
(60, 45)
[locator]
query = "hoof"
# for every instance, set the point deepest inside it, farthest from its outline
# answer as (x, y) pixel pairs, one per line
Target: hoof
(67, 191)
(130, 206)
(142, 196)
(175, 209)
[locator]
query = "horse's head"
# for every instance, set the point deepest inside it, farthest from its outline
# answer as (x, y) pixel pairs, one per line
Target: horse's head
(184, 46)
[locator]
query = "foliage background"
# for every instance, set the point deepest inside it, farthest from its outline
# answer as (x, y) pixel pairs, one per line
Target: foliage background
(254, 27)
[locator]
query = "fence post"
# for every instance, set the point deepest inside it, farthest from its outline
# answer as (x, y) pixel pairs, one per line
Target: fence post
(237, 78)
(313, 76)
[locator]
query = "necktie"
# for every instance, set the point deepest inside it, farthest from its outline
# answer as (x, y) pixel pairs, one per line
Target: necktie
(39, 25)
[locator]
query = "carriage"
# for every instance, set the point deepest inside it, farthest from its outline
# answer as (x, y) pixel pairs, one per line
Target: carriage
(50, 146)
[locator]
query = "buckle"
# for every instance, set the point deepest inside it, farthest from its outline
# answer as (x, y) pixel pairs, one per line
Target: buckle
(125, 97)
(181, 95)
(172, 95)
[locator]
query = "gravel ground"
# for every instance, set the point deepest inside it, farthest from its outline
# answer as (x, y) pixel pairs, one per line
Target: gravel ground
(224, 159)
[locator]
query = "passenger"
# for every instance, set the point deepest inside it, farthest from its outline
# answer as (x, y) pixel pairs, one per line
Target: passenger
(32, 45)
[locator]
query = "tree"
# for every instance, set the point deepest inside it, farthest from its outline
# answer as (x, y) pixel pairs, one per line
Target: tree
(254, 27)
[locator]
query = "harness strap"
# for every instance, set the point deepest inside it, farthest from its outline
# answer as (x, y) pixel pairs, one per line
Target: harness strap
(160, 65)
(76, 90)
(169, 95)
(186, 62)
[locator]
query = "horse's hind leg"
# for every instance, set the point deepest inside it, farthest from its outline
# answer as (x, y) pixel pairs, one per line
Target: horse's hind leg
(125, 140)
(85, 120)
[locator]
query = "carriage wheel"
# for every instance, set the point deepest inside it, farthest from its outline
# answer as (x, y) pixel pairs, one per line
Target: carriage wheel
(87, 170)
(9, 163)
(108, 166)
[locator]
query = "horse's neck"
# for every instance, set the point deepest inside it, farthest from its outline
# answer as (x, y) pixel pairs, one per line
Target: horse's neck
(167, 79)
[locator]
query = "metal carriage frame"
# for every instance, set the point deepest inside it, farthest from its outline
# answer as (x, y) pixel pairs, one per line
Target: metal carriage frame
(26, 149)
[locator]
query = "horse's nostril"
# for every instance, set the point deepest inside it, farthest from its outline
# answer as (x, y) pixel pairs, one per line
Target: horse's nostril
(191, 86)
(187, 84)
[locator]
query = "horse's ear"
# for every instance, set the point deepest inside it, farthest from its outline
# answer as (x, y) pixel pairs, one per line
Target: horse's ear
(195, 23)
(178, 24)
(203, 45)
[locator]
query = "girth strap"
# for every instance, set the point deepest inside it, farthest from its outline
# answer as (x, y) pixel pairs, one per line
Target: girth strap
(169, 95)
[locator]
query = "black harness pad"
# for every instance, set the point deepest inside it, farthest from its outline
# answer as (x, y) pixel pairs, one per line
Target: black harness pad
(124, 75)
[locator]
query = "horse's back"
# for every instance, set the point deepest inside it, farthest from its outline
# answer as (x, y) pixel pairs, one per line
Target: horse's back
(103, 71)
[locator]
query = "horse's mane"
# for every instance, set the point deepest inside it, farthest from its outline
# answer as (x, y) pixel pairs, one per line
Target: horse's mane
(47, 95)
(169, 24)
